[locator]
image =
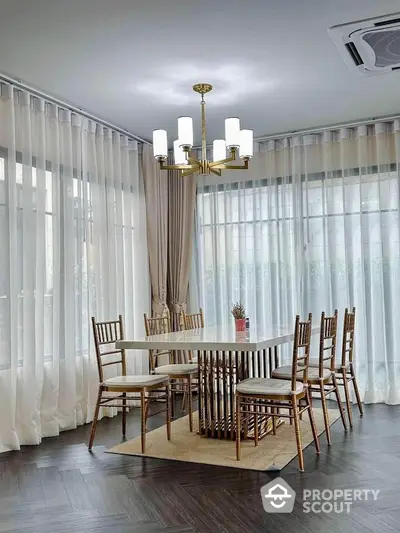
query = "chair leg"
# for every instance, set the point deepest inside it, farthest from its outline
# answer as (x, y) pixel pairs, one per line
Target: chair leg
(301, 414)
(255, 418)
(246, 424)
(325, 411)
(143, 420)
(360, 407)
(312, 423)
(184, 400)
(238, 427)
(95, 417)
(123, 414)
(173, 397)
(168, 411)
(347, 394)
(274, 421)
(146, 409)
(190, 404)
(296, 421)
(339, 402)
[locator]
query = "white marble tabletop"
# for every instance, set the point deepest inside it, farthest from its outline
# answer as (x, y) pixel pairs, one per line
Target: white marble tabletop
(222, 338)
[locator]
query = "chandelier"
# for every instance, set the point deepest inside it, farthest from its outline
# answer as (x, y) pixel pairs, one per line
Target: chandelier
(236, 141)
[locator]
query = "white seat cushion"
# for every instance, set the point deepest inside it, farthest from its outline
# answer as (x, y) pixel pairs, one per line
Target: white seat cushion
(269, 387)
(182, 369)
(148, 380)
(314, 362)
(285, 372)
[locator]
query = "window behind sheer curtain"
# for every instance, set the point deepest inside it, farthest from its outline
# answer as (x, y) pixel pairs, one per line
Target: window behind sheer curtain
(73, 246)
(317, 242)
(246, 246)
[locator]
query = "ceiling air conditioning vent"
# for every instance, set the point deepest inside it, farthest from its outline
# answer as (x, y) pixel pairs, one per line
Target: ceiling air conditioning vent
(371, 46)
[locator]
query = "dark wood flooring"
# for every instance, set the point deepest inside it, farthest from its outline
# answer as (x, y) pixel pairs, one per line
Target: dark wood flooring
(59, 487)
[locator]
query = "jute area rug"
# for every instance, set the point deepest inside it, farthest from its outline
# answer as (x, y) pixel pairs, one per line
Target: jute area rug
(272, 453)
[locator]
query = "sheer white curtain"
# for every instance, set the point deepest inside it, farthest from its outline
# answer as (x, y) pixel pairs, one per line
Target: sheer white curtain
(313, 227)
(73, 246)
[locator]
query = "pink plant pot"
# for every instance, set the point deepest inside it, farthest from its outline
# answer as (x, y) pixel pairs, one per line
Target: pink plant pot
(240, 324)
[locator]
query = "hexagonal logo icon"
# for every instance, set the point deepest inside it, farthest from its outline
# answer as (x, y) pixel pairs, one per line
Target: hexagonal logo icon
(278, 497)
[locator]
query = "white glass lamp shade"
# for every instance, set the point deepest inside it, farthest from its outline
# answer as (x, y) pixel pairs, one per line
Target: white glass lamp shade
(219, 150)
(232, 132)
(160, 144)
(246, 144)
(185, 131)
(179, 154)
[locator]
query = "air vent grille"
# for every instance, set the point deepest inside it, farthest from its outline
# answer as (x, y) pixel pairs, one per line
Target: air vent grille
(354, 53)
(372, 46)
(387, 22)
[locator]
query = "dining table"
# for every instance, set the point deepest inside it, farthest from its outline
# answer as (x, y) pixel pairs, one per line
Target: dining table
(224, 358)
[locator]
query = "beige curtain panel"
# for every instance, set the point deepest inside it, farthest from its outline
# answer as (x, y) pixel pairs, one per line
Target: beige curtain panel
(182, 200)
(156, 193)
(358, 147)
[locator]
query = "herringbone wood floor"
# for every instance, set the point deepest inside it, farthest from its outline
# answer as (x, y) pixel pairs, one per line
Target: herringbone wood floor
(59, 487)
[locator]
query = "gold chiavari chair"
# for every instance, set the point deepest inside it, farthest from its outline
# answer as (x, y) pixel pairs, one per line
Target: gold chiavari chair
(192, 321)
(180, 374)
(321, 376)
(344, 369)
(345, 373)
(266, 397)
(138, 387)
(156, 326)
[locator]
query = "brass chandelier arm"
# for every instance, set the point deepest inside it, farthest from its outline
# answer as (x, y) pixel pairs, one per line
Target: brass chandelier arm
(192, 168)
(221, 163)
(192, 160)
(245, 166)
(216, 172)
(188, 172)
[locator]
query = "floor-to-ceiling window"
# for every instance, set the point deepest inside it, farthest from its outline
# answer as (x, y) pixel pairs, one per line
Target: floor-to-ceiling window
(73, 247)
(301, 239)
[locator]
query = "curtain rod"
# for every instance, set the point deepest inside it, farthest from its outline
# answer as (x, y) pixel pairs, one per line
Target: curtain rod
(52, 100)
(321, 129)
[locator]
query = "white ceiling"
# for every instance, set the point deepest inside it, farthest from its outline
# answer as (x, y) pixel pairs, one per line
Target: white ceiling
(133, 62)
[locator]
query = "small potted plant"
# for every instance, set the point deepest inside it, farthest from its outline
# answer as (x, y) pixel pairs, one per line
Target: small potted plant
(239, 315)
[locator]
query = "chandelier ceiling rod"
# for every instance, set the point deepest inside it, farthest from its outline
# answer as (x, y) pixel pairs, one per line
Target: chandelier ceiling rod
(236, 141)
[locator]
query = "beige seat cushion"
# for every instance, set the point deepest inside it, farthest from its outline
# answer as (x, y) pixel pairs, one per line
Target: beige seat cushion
(285, 372)
(314, 362)
(182, 369)
(148, 380)
(269, 387)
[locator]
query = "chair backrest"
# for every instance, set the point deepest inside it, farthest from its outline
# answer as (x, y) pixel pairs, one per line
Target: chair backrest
(349, 325)
(301, 350)
(327, 342)
(192, 321)
(106, 334)
(157, 326)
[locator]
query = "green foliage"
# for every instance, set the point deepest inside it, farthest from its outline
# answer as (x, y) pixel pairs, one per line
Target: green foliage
(238, 310)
